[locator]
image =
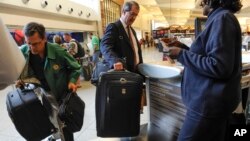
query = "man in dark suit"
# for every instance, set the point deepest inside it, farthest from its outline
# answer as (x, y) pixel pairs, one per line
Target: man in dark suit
(119, 43)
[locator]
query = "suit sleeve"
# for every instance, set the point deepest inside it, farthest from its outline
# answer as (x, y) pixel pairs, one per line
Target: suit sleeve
(108, 45)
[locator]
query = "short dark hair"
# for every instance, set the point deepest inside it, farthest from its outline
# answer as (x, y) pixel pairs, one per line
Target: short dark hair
(128, 6)
(57, 39)
(31, 28)
(232, 5)
(67, 34)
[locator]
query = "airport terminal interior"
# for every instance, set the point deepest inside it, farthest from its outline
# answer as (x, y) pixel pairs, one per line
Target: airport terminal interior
(157, 22)
(87, 93)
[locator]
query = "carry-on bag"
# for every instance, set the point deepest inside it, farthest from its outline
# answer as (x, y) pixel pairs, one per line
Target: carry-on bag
(28, 114)
(71, 112)
(87, 68)
(100, 67)
(118, 97)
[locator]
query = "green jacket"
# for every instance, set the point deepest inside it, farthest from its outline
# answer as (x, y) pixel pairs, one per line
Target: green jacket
(60, 68)
(95, 42)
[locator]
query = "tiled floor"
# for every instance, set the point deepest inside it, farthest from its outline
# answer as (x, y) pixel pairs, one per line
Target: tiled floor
(87, 93)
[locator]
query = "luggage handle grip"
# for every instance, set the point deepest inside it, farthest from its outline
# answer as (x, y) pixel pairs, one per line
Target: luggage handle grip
(27, 87)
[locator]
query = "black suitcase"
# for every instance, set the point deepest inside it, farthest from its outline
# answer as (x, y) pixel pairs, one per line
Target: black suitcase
(29, 116)
(118, 98)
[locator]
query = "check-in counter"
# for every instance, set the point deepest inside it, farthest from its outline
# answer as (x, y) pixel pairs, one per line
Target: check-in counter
(166, 109)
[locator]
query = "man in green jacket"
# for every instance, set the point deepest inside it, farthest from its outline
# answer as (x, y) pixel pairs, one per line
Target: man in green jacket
(50, 65)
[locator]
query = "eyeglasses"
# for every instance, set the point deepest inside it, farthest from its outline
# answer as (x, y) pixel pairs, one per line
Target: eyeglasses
(132, 14)
(35, 44)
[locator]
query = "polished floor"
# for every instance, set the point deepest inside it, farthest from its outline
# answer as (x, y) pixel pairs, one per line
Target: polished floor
(87, 93)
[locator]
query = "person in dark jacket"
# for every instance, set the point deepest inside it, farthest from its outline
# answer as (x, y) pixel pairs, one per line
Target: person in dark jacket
(118, 45)
(211, 80)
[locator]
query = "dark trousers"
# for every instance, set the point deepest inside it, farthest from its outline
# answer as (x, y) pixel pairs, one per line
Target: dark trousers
(244, 97)
(96, 56)
(68, 135)
(198, 128)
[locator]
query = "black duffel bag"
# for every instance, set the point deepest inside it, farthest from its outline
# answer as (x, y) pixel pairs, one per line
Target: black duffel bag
(71, 112)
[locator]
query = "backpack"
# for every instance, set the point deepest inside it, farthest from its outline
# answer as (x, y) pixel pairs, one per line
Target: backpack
(80, 50)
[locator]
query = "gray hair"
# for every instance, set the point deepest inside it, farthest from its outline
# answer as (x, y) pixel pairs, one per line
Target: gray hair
(128, 6)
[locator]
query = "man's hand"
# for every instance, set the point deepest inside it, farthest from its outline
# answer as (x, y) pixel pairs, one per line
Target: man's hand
(118, 66)
(174, 52)
(72, 86)
(19, 84)
(174, 43)
(178, 44)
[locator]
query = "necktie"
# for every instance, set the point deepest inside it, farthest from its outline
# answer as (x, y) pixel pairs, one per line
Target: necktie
(132, 44)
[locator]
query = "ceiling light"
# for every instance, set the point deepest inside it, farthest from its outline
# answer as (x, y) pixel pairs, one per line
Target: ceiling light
(44, 3)
(58, 7)
(70, 10)
(88, 15)
(25, 1)
(80, 13)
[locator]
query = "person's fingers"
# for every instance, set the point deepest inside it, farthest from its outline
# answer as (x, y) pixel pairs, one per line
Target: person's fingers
(174, 52)
(19, 83)
(72, 87)
(118, 66)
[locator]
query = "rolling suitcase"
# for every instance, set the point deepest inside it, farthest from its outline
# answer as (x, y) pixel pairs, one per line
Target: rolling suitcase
(29, 116)
(118, 97)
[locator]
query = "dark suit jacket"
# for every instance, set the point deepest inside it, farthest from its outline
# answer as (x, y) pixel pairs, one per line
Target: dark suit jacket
(115, 46)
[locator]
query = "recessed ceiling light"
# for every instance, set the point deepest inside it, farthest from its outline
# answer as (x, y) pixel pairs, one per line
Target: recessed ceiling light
(58, 7)
(25, 1)
(44, 3)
